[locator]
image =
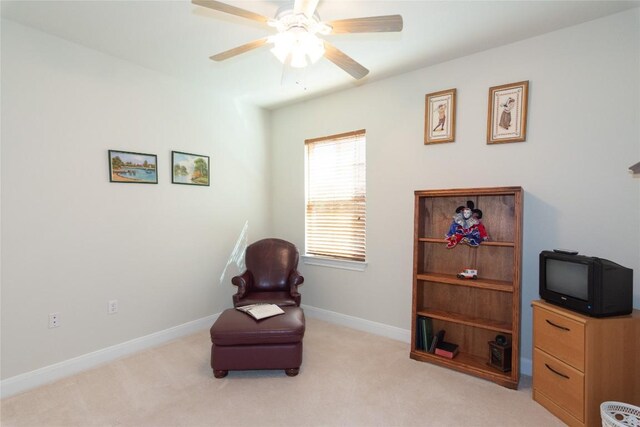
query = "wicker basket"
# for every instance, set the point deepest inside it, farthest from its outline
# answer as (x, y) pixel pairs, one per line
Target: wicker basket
(617, 414)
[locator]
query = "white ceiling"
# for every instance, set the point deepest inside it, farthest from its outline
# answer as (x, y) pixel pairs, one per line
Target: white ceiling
(177, 37)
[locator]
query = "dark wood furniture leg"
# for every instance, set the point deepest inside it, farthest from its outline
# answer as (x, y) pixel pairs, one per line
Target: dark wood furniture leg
(220, 374)
(292, 372)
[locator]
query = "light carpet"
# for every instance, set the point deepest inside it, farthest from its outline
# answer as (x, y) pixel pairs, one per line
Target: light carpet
(347, 378)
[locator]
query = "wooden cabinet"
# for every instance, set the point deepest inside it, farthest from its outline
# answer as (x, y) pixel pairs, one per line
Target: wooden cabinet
(580, 362)
(471, 311)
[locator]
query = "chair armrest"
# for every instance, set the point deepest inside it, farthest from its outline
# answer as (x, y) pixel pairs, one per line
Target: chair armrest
(243, 282)
(295, 280)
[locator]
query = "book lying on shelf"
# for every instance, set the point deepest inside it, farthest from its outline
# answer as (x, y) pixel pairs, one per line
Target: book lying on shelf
(447, 349)
(261, 311)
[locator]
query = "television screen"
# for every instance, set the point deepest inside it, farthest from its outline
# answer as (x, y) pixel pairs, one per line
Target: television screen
(568, 278)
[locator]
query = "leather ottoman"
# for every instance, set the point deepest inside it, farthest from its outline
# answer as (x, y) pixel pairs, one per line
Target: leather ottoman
(241, 343)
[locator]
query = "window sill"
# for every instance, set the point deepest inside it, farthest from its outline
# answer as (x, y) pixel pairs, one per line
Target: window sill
(334, 263)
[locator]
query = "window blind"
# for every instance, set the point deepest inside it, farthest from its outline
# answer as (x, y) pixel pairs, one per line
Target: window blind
(336, 196)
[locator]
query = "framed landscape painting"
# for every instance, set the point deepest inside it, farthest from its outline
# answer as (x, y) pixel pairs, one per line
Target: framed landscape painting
(507, 117)
(133, 168)
(440, 117)
(189, 169)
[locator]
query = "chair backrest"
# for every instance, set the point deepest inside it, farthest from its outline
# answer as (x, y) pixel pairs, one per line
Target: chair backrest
(271, 261)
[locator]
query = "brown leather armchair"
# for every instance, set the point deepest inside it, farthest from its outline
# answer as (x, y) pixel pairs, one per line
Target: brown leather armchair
(271, 275)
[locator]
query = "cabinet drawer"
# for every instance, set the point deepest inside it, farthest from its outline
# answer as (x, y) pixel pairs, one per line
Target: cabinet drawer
(559, 382)
(559, 336)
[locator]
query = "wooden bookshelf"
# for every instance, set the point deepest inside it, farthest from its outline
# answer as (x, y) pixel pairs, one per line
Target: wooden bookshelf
(472, 312)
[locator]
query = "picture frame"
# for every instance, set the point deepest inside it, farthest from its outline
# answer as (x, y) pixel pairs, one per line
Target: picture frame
(189, 169)
(440, 117)
(133, 168)
(507, 115)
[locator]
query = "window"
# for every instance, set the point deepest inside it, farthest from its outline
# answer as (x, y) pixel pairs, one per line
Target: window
(335, 220)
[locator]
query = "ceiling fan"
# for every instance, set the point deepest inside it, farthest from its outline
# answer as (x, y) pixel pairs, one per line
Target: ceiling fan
(296, 42)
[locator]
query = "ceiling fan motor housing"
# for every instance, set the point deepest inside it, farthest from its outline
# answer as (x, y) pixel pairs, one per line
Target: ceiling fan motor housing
(286, 19)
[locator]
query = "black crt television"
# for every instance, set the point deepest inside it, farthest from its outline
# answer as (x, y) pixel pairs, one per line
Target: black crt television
(590, 285)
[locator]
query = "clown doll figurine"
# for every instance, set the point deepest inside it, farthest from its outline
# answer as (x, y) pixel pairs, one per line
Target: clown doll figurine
(466, 227)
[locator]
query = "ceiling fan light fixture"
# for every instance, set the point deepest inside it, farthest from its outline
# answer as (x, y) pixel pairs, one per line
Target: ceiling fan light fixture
(298, 59)
(297, 45)
(282, 45)
(312, 46)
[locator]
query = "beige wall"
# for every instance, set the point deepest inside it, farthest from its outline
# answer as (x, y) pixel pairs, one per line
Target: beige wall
(583, 134)
(71, 240)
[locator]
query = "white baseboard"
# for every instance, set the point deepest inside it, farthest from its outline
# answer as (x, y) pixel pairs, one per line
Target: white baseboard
(376, 328)
(381, 329)
(23, 382)
(29, 380)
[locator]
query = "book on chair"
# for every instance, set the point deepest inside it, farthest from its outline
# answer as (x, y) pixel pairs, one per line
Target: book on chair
(261, 311)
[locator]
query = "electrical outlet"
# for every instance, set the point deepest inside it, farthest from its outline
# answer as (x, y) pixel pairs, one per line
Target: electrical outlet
(112, 307)
(54, 320)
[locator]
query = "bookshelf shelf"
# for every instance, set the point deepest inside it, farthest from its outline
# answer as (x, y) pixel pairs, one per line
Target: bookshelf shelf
(463, 319)
(467, 363)
(496, 285)
(432, 240)
(471, 312)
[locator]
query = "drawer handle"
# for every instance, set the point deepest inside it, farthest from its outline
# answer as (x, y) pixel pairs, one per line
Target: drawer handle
(557, 326)
(556, 372)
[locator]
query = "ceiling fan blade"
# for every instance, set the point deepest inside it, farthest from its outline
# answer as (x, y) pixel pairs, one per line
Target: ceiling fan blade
(371, 24)
(240, 49)
(227, 8)
(308, 7)
(343, 61)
